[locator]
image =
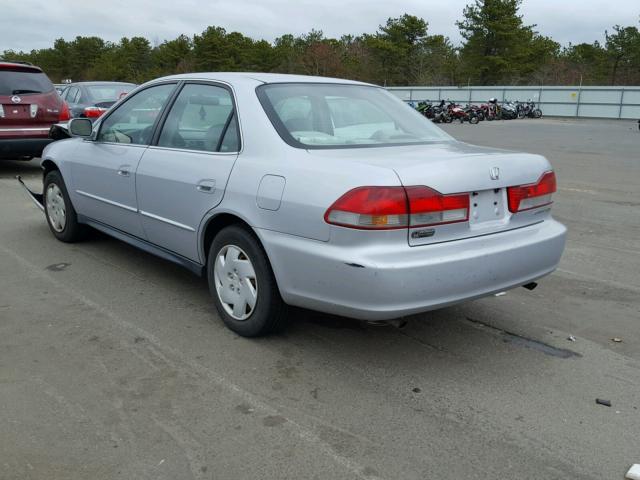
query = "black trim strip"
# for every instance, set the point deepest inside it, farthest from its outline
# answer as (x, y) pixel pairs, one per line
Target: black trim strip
(224, 131)
(144, 245)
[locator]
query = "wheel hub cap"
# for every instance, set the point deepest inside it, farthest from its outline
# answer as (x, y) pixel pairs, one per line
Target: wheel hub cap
(56, 210)
(235, 281)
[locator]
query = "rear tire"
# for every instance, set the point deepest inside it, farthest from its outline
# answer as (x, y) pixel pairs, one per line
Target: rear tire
(242, 284)
(61, 216)
(537, 113)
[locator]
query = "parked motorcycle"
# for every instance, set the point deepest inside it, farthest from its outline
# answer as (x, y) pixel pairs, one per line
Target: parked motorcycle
(531, 110)
(509, 110)
(491, 109)
(478, 111)
(463, 114)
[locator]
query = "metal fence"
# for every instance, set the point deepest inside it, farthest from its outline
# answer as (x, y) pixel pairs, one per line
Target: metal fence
(598, 102)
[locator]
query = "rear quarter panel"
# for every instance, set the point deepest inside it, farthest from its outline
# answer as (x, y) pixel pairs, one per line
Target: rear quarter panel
(312, 184)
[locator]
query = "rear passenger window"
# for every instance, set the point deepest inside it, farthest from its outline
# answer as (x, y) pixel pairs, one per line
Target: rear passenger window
(202, 118)
(72, 93)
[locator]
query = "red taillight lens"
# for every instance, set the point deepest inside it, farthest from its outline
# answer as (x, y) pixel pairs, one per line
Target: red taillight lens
(397, 207)
(429, 207)
(370, 207)
(94, 112)
(526, 197)
(64, 113)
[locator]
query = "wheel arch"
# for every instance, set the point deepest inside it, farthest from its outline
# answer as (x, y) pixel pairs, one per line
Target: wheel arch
(48, 165)
(216, 223)
(224, 219)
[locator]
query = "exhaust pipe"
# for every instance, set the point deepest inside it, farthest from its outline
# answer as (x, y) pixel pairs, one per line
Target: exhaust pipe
(530, 286)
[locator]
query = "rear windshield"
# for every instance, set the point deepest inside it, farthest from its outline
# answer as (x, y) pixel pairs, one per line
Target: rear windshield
(326, 115)
(23, 82)
(109, 93)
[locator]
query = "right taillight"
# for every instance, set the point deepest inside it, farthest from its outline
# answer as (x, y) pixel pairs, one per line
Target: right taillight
(534, 195)
(64, 112)
(384, 208)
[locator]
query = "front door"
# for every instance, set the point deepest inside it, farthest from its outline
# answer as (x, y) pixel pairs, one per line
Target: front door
(103, 170)
(184, 175)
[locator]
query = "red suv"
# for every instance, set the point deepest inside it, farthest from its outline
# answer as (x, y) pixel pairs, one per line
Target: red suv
(29, 105)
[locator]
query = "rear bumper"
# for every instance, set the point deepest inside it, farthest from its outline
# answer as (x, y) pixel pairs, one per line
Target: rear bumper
(16, 148)
(387, 283)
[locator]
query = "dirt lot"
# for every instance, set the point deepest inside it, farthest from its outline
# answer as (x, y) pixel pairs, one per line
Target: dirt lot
(113, 363)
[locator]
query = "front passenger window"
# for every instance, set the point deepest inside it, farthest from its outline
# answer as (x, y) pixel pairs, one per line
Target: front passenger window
(132, 122)
(202, 118)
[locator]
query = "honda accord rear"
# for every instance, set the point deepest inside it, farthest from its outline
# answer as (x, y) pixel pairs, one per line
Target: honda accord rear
(423, 221)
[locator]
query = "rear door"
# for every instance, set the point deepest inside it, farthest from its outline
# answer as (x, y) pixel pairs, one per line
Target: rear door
(184, 174)
(103, 170)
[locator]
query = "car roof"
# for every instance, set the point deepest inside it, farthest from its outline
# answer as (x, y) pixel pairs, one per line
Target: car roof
(260, 77)
(95, 83)
(19, 66)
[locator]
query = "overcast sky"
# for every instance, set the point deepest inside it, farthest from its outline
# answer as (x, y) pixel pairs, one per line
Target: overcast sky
(29, 24)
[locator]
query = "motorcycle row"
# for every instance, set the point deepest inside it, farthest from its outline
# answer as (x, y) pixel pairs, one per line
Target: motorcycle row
(447, 111)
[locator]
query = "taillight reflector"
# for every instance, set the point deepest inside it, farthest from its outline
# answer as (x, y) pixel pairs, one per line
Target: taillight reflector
(384, 208)
(534, 195)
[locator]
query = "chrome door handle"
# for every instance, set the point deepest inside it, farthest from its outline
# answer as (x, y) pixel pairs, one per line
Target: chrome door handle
(124, 173)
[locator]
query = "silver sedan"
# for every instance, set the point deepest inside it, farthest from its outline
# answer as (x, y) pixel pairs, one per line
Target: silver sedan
(320, 193)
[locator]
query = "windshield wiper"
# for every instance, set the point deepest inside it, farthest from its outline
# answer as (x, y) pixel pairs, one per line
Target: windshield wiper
(19, 91)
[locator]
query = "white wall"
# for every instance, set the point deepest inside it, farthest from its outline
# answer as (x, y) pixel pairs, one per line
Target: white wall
(602, 102)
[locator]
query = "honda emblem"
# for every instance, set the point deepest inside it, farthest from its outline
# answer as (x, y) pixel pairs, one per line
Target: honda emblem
(494, 173)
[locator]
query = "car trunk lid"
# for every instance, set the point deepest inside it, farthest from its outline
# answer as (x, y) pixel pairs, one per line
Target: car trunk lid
(458, 168)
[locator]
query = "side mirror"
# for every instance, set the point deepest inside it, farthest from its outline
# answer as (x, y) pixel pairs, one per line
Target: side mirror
(80, 127)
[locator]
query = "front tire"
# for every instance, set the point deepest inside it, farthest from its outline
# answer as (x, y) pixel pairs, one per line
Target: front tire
(61, 216)
(242, 284)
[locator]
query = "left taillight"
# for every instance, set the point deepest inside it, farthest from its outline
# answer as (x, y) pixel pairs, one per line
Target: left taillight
(384, 208)
(534, 195)
(64, 112)
(370, 208)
